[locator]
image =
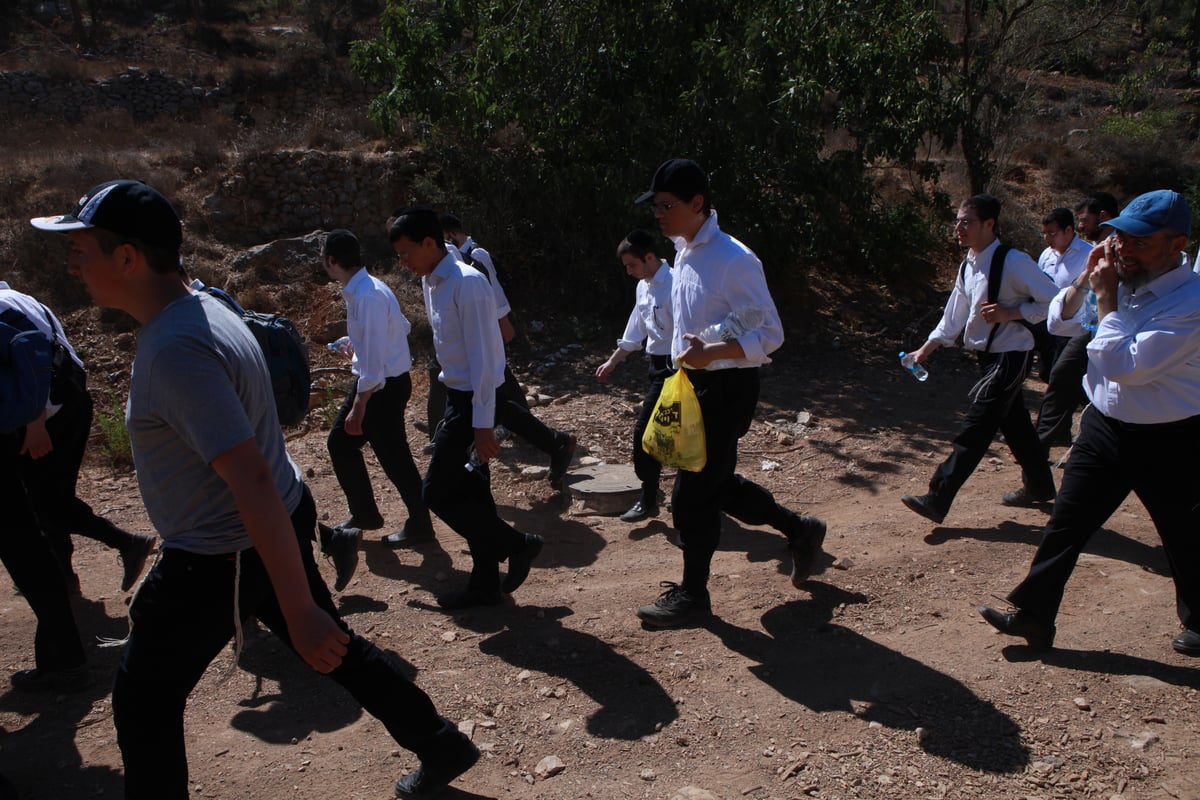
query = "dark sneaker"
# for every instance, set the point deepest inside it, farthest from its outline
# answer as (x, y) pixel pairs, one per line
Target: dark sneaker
(363, 523)
(1023, 498)
(470, 598)
(520, 562)
(133, 557)
(674, 607)
(805, 536)
(1038, 634)
(74, 679)
(639, 511)
(923, 505)
(342, 549)
(411, 534)
(560, 459)
(450, 755)
(421, 425)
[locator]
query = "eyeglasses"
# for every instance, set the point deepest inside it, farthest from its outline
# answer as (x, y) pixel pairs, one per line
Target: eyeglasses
(965, 222)
(1050, 234)
(662, 208)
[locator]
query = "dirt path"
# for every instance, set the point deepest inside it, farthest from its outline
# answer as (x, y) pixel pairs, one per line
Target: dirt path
(880, 681)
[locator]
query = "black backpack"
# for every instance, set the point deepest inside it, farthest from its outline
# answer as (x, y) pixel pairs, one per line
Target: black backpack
(27, 360)
(995, 275)
(286, 355)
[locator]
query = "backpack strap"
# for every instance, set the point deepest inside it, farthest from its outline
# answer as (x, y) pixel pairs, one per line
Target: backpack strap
(995, 276)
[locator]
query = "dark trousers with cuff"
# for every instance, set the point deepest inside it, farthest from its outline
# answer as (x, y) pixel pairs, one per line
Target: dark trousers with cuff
(462, 498)
(383, 429)
(183, 616)
(727, 398)
(1064, 391)
(646, 466)
(997, 404)
(1108, 461)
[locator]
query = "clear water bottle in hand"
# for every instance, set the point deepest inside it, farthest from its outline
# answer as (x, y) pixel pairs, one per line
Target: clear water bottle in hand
(736, 323)
(475, 464)
(1091, 317)
(342, 346)
(909, 362)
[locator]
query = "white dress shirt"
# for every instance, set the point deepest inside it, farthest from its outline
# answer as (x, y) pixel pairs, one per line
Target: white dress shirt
(650, 320)
(1063, 268)
(378, 330)
(45, 321)
(483, 258)
(715, 274)
(1022, 286)
(1144, 361)
(462, 311)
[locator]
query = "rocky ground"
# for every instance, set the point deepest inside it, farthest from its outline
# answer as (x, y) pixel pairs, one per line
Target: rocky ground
(879, 680)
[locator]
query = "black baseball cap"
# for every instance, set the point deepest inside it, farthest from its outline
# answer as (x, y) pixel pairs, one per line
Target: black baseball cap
(127, 208)
(681, 177)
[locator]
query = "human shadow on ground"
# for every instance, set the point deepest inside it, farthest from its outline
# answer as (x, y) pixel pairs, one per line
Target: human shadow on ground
(632, 704)
(1104, 662)
(829, 668)
(1105, 542)
(41, 758)
(761, 544)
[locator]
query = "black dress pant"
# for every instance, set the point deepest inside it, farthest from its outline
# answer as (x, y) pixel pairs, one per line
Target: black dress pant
(1064, 391)
(1108, 460)
(727, 398)
(462, 498)
(384, 429)
(997, 404)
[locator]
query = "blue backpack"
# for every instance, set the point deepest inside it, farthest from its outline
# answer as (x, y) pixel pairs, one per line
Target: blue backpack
(26, 370)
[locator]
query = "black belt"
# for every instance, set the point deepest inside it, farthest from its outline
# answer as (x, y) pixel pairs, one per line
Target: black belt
(660, 362)
(1187, 423)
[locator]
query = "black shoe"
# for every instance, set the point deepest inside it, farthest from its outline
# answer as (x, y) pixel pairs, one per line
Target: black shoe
(805, 536)
(1187, 643)
(674, 607)
(923, 505)
(1038, 634)
(342, 549)
(371, 523)
(470, 598)
(73, 679)
(133, 557)
(421, 425)
(560, 460)
(639, 511)
(520, 562)
(450, 755)
(411, 534)
(1023, 498)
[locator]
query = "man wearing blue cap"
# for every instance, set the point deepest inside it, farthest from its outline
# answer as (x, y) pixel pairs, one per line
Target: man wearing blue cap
(1142, 429)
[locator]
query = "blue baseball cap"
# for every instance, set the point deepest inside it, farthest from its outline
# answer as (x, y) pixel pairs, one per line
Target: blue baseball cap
(1152, 212)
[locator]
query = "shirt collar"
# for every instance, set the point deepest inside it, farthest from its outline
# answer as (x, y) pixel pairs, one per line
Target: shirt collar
(660, 275)
(708, 230)
(356, 280)
(1168, 282)
(444, 269)
(987, 251)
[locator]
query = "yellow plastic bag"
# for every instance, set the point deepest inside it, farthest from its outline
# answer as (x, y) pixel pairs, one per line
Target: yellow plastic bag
(675, 434)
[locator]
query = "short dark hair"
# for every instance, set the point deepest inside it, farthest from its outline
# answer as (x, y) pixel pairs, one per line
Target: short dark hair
(450, 222)
(1097, 202)
(342, 246)
(416, 223)
(1062, 217)
(638, 243)
(162, 260)
(985, 206)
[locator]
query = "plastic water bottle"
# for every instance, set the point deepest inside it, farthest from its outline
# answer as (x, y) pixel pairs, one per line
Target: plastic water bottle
(910, 363)
(342, 346)
(475, 464)
(736, 324)
(1091, 317)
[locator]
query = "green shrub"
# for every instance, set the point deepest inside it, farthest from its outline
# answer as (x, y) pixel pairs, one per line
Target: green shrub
(114, 436)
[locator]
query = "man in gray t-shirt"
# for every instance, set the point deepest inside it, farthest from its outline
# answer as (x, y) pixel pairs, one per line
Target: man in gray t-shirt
(237, 522)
